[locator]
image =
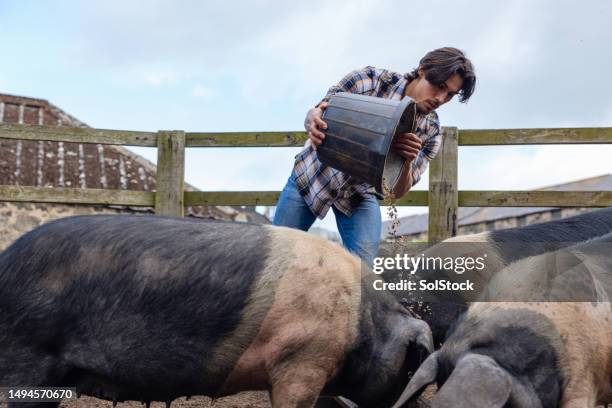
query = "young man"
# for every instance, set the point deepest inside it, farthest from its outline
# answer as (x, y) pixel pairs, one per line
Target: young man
(313, 188)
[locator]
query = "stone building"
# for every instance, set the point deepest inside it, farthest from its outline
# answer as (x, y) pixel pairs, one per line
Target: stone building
(58, 164)
(472, 220)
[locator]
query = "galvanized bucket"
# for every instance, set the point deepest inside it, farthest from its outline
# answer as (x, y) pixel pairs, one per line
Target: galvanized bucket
(359, 133)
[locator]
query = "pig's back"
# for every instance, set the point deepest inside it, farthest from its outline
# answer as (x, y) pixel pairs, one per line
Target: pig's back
(149, 294)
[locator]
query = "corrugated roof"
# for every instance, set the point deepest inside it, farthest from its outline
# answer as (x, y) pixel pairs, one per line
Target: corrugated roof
(415, 224)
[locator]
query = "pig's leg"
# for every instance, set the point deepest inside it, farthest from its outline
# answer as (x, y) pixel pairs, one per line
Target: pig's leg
(297, 387)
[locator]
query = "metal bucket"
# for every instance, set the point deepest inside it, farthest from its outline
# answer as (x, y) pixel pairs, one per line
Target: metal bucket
(359, 133)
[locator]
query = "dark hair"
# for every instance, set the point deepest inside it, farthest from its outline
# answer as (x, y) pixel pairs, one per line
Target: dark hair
(438, 65)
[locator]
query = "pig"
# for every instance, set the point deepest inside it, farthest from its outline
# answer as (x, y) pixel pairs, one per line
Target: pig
(578, 273)
(532, 354)
(153, 308)
(503, 247)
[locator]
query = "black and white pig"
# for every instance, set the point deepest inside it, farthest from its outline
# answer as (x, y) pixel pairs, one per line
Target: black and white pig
(153, 308)
(503, 248)
(532, 354)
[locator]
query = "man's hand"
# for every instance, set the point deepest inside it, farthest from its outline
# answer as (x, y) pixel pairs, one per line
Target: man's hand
(314, 124)
(407, 145)
(427, 105)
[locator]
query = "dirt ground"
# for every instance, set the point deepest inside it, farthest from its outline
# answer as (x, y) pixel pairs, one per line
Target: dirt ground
(242, 400)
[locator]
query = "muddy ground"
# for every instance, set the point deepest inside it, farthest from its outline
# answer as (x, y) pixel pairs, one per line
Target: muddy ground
(242, 400)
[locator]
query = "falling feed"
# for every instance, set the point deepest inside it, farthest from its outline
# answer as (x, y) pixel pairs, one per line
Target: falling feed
(415, 306)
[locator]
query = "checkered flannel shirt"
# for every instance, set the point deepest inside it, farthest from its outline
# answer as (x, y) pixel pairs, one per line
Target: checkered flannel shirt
(323, 186)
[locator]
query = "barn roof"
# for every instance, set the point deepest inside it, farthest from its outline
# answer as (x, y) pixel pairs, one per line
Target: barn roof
(84, 165)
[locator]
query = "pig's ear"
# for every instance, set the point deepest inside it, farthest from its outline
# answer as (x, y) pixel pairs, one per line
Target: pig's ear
(425, 375)
(419, 335)
(476, 382)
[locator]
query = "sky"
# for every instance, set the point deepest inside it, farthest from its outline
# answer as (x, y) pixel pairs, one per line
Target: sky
(220, 66)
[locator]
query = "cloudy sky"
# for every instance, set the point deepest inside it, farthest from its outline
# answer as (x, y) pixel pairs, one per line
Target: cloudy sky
(259, 65)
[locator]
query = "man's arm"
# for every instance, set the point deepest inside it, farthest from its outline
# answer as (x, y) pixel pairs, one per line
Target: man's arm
(404, 183)
(361, 81)
(416, 164)
(407, 145)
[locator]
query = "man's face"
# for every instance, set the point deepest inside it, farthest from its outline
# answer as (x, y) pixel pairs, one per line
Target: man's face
(442, 93)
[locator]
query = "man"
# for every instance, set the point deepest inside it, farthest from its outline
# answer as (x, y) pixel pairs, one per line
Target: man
(313, 188)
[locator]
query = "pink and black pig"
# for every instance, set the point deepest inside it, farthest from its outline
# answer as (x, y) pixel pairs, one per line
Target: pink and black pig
(153, 308)
(553, 353)
(503, 248)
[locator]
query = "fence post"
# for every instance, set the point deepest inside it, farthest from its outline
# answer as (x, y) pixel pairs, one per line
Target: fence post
(443, 192)
(170, 180)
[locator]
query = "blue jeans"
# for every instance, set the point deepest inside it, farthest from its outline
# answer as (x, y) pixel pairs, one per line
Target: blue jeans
(360, 232)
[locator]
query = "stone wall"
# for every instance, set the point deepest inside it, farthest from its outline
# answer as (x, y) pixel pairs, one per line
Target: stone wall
(18, 218)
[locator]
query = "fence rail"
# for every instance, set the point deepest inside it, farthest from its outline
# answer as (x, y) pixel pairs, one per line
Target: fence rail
(443, 197)
(467, 137)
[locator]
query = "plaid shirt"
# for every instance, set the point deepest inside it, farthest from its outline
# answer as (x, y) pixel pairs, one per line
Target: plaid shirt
(323, 186)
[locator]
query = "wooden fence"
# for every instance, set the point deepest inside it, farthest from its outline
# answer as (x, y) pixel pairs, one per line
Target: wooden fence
(443, 197)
